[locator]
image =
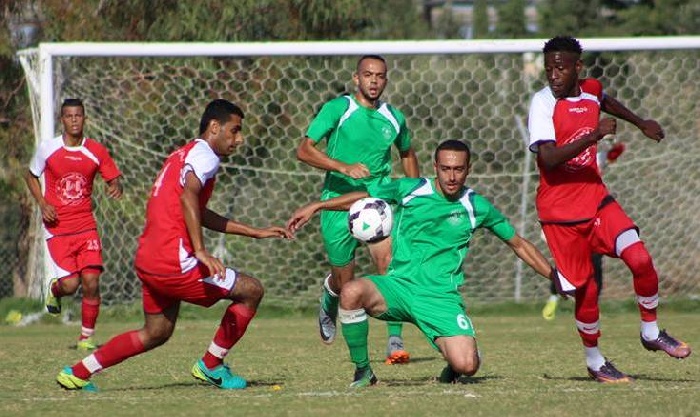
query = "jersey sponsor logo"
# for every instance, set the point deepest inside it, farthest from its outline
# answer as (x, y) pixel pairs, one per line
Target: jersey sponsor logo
(578, 110)
(72, 188)
(583, 159)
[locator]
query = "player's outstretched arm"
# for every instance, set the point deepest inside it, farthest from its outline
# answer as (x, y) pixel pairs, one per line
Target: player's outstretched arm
(303, 214)
(309, 154)
(214, 221)
(529, 253)
(651, 128)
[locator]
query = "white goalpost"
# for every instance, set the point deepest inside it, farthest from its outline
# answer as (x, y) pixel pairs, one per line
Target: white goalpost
(144, 99)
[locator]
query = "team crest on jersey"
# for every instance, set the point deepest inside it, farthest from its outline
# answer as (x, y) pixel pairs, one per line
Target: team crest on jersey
(456, 217)
(72, 188)
(387, 132)
(583, 159)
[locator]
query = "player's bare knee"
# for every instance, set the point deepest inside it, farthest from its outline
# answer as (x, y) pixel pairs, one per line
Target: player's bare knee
(154, 337)
(468, 365)
(91, 289)
(248, 290)
(257, 291)
(352, 294)
(69, 285)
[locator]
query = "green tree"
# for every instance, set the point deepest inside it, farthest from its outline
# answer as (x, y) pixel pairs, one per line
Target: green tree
(569, 17)
(511, 20)
(658, 18)
(480, 18)
(447, 25)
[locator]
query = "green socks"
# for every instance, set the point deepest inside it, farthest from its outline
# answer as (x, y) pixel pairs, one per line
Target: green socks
(355, 328)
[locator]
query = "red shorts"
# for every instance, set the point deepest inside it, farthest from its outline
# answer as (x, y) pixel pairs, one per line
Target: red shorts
(572, 245)
(196, 287)
(70, 254)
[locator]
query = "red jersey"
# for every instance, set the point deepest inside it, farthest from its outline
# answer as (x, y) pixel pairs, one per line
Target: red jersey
(69, 173)
(573, 190)
(165, 247)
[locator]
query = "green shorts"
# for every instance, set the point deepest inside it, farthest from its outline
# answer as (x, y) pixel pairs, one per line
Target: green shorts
(340, 245)
(435, 314)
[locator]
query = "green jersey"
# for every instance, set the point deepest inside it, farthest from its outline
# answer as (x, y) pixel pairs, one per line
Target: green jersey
(431, 234)
(357, 134)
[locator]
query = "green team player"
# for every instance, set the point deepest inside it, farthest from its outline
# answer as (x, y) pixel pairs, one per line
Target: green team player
(434, 221)
(360, 130)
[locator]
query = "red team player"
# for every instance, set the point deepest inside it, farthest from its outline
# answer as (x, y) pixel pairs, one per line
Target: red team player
(69, 163)
(578, 215)
(173, 264)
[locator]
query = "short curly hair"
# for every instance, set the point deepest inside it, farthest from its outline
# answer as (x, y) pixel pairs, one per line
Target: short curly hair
(562, 44)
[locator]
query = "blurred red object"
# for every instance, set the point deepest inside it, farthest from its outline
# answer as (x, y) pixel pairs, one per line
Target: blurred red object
(615, 151)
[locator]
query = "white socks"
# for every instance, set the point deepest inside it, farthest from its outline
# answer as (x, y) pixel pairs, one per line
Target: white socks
(650, 330)
(594, 359)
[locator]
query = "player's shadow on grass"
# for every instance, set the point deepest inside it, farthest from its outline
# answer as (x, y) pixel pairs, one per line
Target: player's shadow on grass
(640, 377)
(426, 380)
(193, 383)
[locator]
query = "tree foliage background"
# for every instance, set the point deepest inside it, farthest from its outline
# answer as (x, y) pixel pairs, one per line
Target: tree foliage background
(272, 20)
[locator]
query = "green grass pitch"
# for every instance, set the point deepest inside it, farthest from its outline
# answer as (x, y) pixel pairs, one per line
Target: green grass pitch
(530, 367)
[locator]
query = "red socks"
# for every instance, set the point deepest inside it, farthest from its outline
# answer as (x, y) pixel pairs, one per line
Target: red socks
(116, 350)
(233, 326)
(645, 279)
(90, 311)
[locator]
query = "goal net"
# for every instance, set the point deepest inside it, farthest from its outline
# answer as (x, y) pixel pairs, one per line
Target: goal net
(145, 100)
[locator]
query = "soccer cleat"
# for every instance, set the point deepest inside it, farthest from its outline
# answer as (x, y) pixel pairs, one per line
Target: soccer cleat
(53, 303)
(363, 378)
(608, 374)
(67, 380)
(86, 344)
(448, 376)
(550, 309)
(669, 344)
(220, 376)
(395, 353)
(326, 326)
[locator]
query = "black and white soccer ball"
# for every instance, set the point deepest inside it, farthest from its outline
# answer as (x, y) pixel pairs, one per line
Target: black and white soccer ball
(370, 219)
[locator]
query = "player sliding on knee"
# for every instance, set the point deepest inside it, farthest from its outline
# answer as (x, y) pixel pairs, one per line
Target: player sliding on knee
(422, 286)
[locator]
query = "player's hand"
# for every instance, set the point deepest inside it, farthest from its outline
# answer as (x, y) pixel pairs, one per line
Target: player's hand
(48, 213)
(355, 171)
(274, 231)
(615, 151)
(652, 130)
(215, 266)
(606, 126)
(114, 188)
(300, 218)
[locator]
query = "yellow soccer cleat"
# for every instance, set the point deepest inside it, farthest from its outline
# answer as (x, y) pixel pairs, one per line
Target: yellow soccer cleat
(68, 381)
(86, 344)
(550, 309)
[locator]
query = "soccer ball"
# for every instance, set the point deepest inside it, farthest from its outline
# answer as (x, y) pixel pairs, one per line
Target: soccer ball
(370, 219)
